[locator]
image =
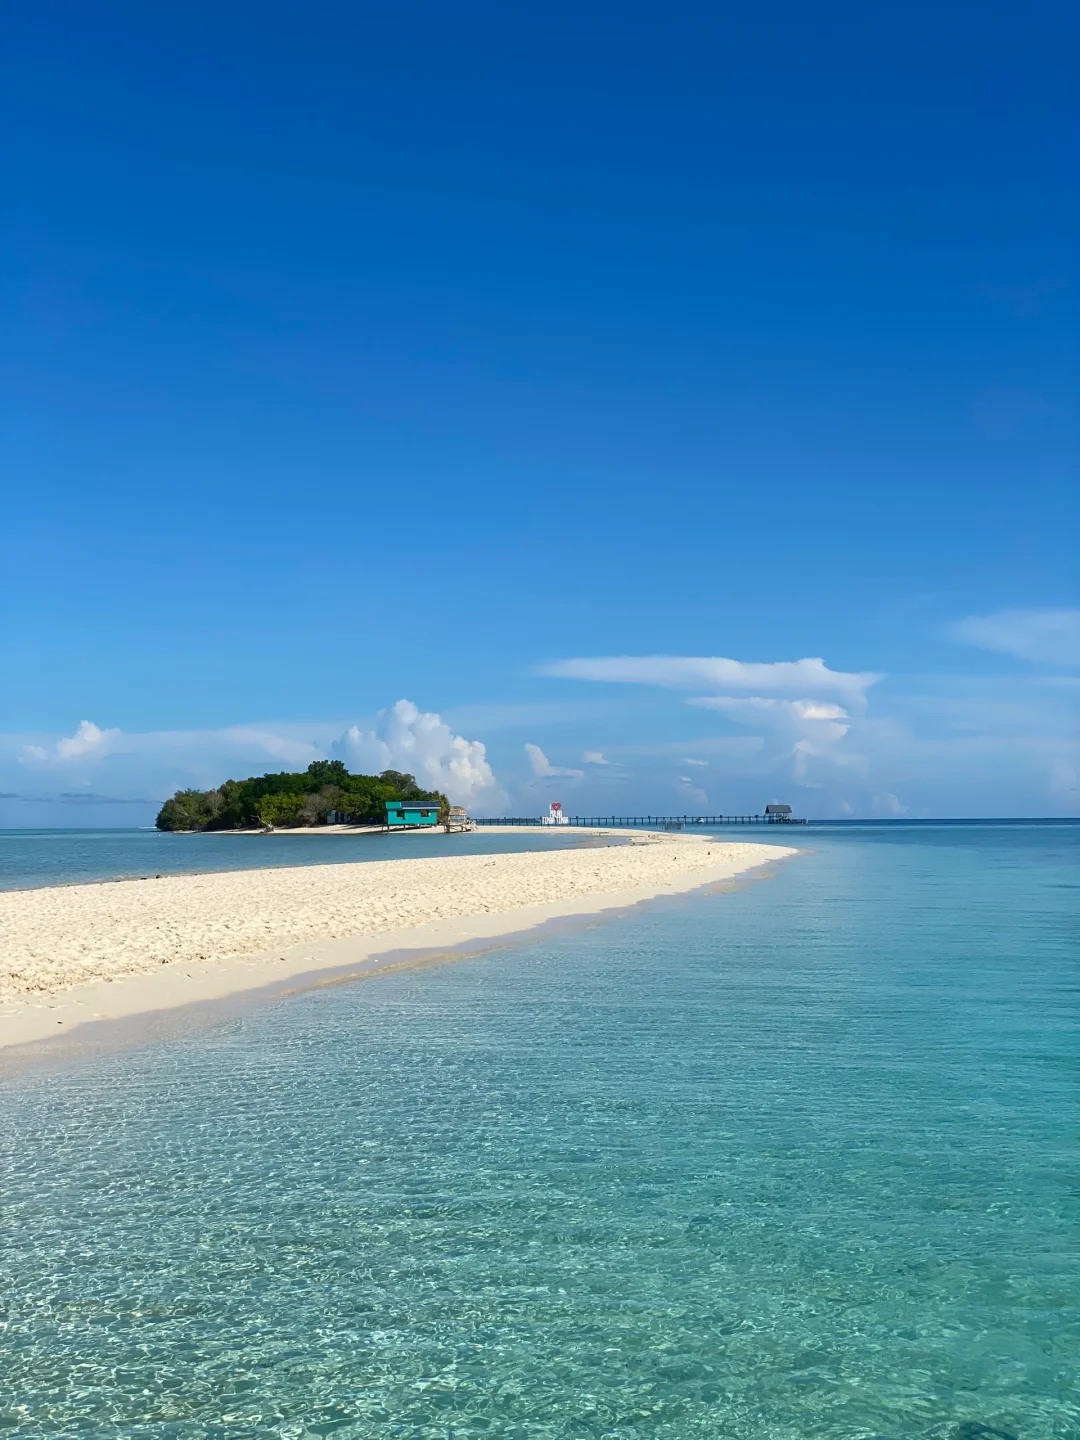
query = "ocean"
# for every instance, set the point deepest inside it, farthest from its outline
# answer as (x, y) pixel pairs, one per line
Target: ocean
(794, 1160)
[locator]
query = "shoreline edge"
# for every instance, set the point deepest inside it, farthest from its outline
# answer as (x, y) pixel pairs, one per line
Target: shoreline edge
(33, 1018)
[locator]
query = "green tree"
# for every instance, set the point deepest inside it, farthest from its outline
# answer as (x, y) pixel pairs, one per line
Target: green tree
(279, 809)
(327, 772)
(284, 798)
(187, 810)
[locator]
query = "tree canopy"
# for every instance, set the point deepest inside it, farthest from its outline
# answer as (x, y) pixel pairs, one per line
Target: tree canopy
(324, 789)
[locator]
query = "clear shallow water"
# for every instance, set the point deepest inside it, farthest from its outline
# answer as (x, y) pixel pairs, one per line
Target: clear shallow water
(30, 858)
(797, 1160)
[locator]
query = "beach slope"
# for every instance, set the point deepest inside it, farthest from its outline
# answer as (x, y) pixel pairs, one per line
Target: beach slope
(75, 953)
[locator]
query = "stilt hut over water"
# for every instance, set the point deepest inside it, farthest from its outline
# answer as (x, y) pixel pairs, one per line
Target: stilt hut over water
(411, 814)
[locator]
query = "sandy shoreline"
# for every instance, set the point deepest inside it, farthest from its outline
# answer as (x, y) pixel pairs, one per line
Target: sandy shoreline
(79, 954)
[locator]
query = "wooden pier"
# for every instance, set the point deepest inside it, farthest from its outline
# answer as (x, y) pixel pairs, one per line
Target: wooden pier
(650, 822)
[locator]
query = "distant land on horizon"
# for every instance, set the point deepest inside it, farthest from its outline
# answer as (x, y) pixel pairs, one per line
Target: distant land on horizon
(325, 788)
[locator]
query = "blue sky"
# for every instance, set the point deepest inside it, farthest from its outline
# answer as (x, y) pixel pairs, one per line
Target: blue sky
(355, 357)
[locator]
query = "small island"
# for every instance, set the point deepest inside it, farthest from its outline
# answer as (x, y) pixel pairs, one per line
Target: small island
(325, 792)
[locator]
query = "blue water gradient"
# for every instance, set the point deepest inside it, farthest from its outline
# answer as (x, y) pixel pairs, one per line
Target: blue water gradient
(33, 858)
(793, 1161)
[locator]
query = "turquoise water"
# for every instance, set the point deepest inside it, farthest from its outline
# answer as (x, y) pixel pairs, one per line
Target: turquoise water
(793, 1161)
(30, 858)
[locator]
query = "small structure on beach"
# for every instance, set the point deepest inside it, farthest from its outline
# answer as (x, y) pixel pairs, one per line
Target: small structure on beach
(778, 814)
(411, 814)
(457, 820)
(555, 815)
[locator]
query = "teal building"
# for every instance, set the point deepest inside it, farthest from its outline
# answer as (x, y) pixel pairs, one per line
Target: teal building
(409, 814)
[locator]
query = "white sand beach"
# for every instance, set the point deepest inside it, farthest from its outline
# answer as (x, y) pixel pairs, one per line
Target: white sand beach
(77, 953)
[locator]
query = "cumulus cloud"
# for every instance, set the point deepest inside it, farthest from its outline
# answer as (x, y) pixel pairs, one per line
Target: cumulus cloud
(421, 743)
(538, 761)
(805, 732)
(593, 757)
(688, 672)
(805, 712)
(542, 767)
(156, 763)
(88, 739)
(820, 719)
(88, 742)
(1048, 637)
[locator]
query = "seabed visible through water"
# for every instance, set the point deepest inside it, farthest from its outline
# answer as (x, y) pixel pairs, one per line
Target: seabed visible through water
(793, 1160)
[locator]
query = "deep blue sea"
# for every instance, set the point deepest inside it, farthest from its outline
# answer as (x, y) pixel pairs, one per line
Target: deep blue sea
(797, 1160)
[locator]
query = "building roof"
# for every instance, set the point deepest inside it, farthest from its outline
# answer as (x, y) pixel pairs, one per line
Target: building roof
(777, 809)
(412, 804)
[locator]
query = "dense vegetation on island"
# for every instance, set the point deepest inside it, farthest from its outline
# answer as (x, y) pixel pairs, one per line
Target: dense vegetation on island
(325, 788)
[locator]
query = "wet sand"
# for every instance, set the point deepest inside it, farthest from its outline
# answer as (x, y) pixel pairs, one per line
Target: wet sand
(81, 953)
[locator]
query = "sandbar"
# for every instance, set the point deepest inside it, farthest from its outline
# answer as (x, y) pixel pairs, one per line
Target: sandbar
(77, 954)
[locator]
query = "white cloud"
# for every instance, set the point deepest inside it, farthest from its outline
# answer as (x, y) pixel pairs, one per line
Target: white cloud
(688, 791)
(593, 757)
(946, 744)
(538, 761)
(687, 672)
(88, 742)
(155, 763)
(801, 753)
(805, 751)
(278, 747)
(808, 733)
(821, 720)
(421, 743)
(1049, 637)
(542, 767)
(888, 804)
(88, 739)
